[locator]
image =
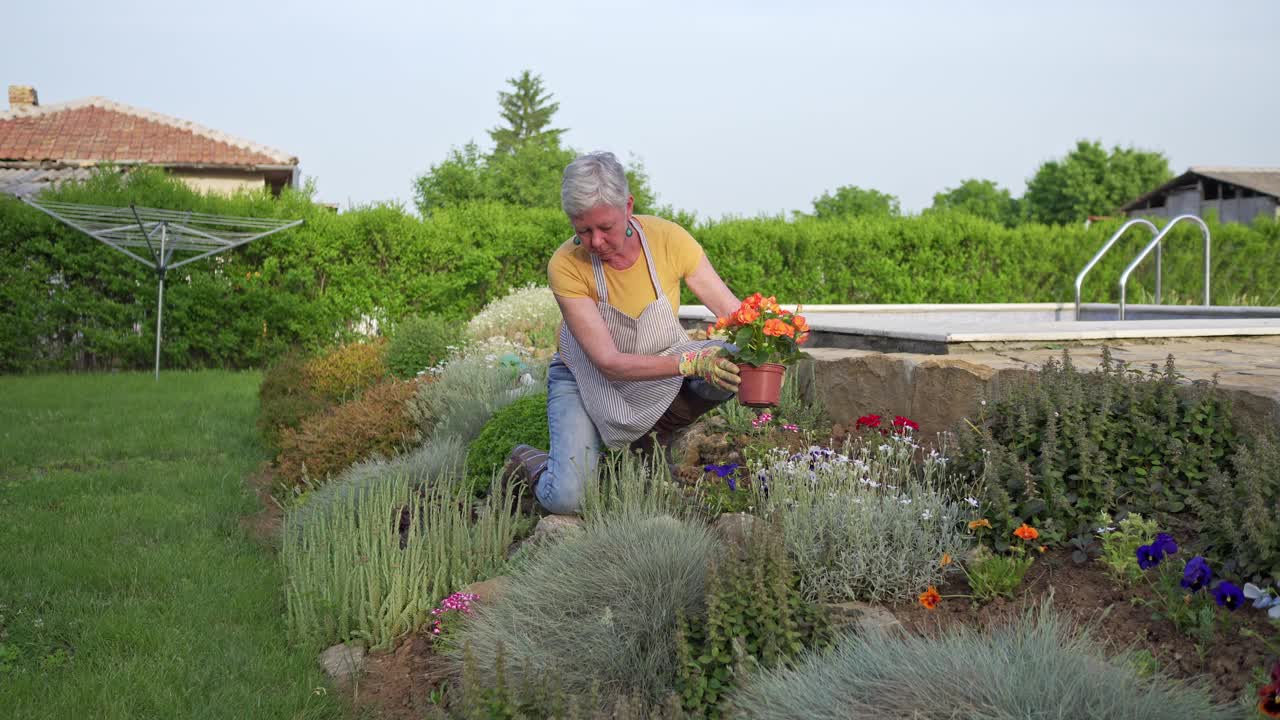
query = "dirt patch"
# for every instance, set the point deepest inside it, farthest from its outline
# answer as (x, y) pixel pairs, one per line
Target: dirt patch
(264, 526)
(398, 685)
(1089, 595)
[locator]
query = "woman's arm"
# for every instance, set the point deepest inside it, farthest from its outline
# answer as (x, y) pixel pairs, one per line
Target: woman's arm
(584, 321)
(706, 284)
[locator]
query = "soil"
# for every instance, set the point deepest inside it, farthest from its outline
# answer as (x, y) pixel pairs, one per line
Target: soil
(1089, 595)
(397, 685)
(264, 525)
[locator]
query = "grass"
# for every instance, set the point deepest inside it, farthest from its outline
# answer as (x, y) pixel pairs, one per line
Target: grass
(127, 587)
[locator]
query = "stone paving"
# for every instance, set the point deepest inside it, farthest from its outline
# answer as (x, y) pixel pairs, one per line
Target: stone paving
(939, 390)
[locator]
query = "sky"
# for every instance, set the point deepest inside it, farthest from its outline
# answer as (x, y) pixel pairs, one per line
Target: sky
(734, 108)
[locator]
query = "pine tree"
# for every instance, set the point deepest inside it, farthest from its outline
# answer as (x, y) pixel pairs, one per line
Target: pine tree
(527, 110)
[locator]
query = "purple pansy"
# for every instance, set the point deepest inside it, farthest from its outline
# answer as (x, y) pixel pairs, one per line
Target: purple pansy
(1227, 595)
(724, 471)
(1166, 544)
(1196, 574)
(1149, 556)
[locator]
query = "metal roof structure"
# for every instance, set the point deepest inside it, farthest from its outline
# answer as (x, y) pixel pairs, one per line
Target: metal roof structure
(161, 239)
(1264, 181)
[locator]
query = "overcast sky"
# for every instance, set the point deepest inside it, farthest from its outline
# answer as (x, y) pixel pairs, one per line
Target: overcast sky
(734, 107)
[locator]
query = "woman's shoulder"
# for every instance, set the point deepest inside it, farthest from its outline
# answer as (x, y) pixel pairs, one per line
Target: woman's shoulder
(570, 254)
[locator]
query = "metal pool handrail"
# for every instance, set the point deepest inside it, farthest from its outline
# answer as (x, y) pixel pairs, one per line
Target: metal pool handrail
(1155, 242)
(1107, 246)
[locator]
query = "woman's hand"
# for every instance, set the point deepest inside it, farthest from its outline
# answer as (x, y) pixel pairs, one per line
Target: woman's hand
(710, 365)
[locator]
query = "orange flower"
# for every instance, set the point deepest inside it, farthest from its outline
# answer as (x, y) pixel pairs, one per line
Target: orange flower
(746, 315)
(802, 338)
(983, 523)
(1026, 532)
(930, 598)
(722, 323)
(770, 303)
(754, 301)
(711, 329)
(801, 324)
(946, 559)
(776, 328)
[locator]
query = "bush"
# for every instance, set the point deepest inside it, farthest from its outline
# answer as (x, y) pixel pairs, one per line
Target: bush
(420, 343)
(1037, 667)
(1239, 516)
(286, 398)
(599, 608)
(1066, 446)
(523, 421)
(868, 524)
(378, 423)
(456, 400)
(527, 316)
(371, 565)
(342, 373)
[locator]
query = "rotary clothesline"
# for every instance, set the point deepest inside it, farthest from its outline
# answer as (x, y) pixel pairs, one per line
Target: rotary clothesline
(190, 236)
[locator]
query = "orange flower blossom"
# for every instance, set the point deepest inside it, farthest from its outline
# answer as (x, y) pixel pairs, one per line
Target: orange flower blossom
(1026, 532)
(930, 598)
(983, 523)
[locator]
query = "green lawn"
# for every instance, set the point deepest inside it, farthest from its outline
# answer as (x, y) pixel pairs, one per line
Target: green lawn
(127, 587)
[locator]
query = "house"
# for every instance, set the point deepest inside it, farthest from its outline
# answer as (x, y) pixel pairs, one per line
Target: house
(42, 145)
(1238, 194)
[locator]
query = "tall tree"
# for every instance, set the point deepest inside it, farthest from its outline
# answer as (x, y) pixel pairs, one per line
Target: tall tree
(527, 110)
(982, 198)
(1089, 181)
(852, 201)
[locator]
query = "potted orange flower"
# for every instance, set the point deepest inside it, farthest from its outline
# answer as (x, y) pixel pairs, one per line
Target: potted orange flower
(768, 339)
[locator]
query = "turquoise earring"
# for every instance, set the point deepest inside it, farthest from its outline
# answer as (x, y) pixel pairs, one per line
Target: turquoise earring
(629, 233)
(577, 240)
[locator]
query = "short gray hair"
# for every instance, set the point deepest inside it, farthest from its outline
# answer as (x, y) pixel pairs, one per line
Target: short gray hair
(593, 179)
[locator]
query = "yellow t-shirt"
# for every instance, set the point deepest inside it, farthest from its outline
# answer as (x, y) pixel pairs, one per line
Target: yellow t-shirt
(675, 256)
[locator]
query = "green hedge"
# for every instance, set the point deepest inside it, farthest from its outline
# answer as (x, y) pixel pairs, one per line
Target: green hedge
(71, 302)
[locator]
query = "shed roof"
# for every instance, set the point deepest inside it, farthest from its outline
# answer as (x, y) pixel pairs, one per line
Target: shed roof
(1258, 179)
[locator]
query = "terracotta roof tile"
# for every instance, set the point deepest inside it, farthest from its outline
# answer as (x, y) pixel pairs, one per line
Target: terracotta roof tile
(100, 130)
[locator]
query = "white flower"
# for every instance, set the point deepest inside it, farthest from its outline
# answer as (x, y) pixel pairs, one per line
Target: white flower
(1106, 529)
(926, 515)
(972, 501)
(906, 501)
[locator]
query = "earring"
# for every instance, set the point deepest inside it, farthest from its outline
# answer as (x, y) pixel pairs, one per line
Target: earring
(577, 240)
(629, 233)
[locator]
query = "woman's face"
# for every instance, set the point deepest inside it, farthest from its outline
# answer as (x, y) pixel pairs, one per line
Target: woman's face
(603, 230)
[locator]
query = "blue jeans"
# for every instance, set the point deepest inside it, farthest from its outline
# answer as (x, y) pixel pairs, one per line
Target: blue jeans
(575, 443)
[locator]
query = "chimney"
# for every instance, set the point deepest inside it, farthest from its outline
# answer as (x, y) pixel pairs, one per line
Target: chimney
(22, 97)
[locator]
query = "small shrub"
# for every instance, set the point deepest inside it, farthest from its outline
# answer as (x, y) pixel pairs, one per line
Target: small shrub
(523, 421)
(286, 397)
(600, 608)
(372, 565)
(341, 374)
(629, 484)
(1038, 667)
(1121, 540)
(420, 343)
(996, 576)
(869, 523)
(378, 423)
(527, 316)
(755, 617)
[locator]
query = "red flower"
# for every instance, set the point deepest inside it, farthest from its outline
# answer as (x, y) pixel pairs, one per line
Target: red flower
(930, 598)
(867, 421)
(901, 424)
(1269, 700)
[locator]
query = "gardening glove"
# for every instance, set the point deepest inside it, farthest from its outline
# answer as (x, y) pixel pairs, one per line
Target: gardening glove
(710, 365)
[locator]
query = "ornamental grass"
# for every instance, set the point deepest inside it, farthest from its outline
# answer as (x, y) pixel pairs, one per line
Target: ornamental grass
(1037, 667)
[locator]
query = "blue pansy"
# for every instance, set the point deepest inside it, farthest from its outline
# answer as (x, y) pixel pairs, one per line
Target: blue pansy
(1227, 595)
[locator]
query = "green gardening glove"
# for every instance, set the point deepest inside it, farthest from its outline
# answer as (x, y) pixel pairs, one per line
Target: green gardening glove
(710, 365)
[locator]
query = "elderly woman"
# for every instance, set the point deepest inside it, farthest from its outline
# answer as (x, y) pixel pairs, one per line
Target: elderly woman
(626, 373)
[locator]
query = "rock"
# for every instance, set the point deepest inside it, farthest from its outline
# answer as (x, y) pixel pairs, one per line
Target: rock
(945, 390)
(342, 663)
(863, 618)
(852, 383)
(556, 526)
(736, 528)
(702, 440)
(489, 590)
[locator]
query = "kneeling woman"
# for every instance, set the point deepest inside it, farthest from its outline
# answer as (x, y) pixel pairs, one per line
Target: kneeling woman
(626, 373)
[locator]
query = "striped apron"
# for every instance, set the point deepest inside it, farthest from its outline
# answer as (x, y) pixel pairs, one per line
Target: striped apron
(623, 410)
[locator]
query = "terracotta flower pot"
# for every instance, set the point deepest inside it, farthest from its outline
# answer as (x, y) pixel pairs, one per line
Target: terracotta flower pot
(761, 385)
